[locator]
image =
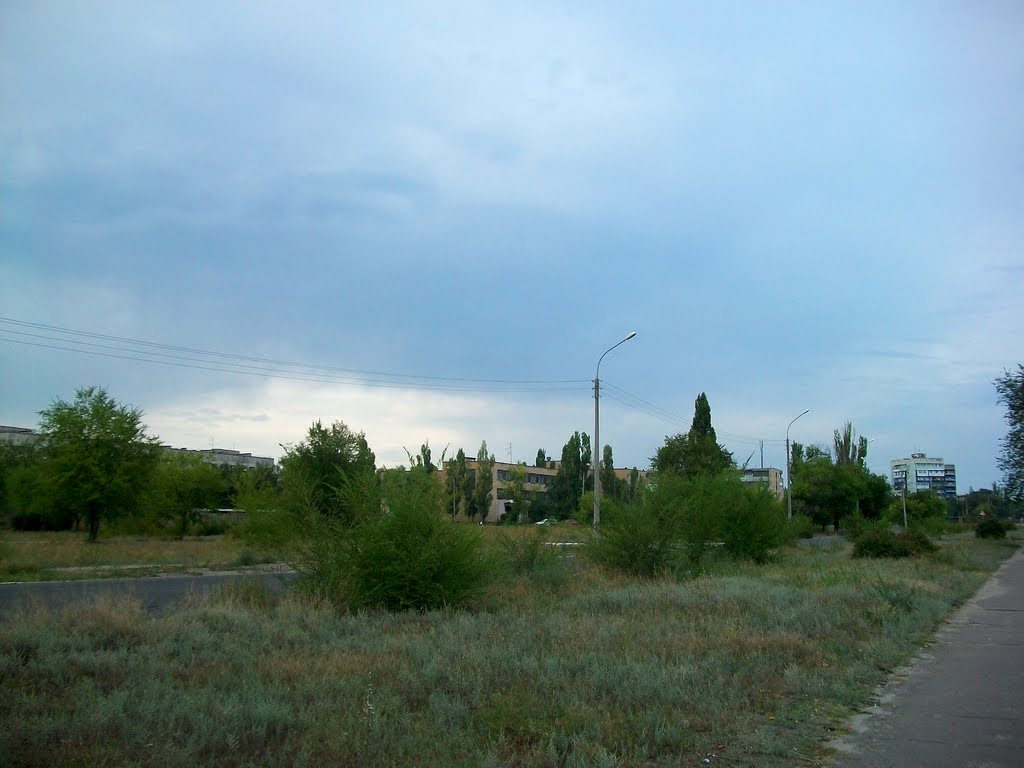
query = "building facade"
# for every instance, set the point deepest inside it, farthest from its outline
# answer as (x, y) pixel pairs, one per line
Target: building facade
(224, 457)
(19, 435)
(538, 482)
(769, 477)
(919, 472)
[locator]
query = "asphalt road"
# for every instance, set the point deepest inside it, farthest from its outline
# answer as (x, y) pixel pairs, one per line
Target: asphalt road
(153, 592)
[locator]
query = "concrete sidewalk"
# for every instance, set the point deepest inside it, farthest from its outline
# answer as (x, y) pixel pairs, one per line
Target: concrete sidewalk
(961, 703)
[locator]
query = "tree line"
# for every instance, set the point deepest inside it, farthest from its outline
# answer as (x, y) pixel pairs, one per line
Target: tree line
(96, 463)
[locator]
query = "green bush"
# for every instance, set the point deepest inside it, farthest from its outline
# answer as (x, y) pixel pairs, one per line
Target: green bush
(879, 541)
(991, 529)
(522, 554)
(935, 526)
(213, 527)
(681, 519)
(400, 551)
(754, 525)
(854, 526)
(800, 526)
(413, 556)
(638, 539)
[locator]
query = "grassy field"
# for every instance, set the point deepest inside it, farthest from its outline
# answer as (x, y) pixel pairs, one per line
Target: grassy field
(59, 555)
(567, 666)
(51, 555)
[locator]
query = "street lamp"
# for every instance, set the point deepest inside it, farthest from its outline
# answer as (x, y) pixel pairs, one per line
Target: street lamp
(789, 471)
(597, 435)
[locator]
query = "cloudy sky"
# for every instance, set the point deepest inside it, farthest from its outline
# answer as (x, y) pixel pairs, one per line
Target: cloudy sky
(429, 220)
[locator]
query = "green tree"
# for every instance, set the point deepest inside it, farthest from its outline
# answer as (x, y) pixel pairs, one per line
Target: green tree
(849, 449)
(183, 485)
(314, 473)
(570, 481)
(826, 490)
(823, 490)
(98, 455)
(422, 460)
(26, 491)
(696, 453)
(632, 489)
(483, 482)
(542, 458)
(1010, 389)
(921, 505)
(610, 484)
(515, 488)
(586, 458)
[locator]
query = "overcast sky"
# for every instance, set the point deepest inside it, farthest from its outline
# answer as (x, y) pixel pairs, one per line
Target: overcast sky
(794, 205)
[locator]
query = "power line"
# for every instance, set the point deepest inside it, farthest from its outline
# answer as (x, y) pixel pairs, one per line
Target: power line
(663, 414)
(71, 332)
(268, 368)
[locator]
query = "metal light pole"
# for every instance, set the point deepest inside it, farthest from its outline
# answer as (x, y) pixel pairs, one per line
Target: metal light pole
(789, 471)
(596, 450)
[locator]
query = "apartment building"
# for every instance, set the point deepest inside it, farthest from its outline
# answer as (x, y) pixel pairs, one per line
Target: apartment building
(538, 482)
(770, 477)
(224, 457)
(19, 435)
(919, 472)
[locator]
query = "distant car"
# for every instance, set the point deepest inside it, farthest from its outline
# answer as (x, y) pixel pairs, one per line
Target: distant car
(546, 521)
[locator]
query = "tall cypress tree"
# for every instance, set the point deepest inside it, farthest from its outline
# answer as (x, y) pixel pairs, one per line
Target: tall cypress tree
(697, 452)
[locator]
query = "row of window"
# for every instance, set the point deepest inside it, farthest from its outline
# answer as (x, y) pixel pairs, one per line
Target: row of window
(531, 477)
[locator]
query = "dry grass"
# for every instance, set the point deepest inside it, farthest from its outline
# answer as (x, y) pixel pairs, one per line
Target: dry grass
(745, 665)
(67, 554)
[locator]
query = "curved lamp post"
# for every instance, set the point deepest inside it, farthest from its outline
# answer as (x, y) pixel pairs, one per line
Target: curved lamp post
(789, 471)
(597, 451)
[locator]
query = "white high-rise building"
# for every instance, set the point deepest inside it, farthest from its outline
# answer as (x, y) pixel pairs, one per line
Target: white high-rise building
(918, 472)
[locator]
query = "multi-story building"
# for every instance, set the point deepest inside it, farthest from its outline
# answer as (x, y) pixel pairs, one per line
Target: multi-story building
(225, 457)
(919, 472)
(538, 482)
(19, 435)
(770, 477)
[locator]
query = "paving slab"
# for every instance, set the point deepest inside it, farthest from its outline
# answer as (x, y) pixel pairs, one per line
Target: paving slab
(961, 702)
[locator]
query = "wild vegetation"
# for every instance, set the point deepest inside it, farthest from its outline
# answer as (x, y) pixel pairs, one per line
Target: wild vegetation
(557, 662)
(688, 631)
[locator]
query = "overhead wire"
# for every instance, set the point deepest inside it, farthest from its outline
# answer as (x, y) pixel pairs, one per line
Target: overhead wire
(72, 340)
(144, 351)
(663, 414)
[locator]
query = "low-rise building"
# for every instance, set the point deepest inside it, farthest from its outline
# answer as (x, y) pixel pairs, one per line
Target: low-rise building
(538, 482)
(769, 477)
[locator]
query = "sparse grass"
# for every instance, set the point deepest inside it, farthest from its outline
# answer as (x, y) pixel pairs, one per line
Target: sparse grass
(754, 665)
(35, 556)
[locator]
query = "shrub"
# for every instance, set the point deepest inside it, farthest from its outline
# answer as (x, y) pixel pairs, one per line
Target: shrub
(637, 539)
(412, 556)
(878, 541)
(856, 525)
(754, 525)
(686, 518)
(800, 526)
(208, 526)
(990, 529)
(401, 550)
(522, 553)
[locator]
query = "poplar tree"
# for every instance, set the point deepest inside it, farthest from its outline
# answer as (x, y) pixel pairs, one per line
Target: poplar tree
(1010, 387)
(697, 453)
